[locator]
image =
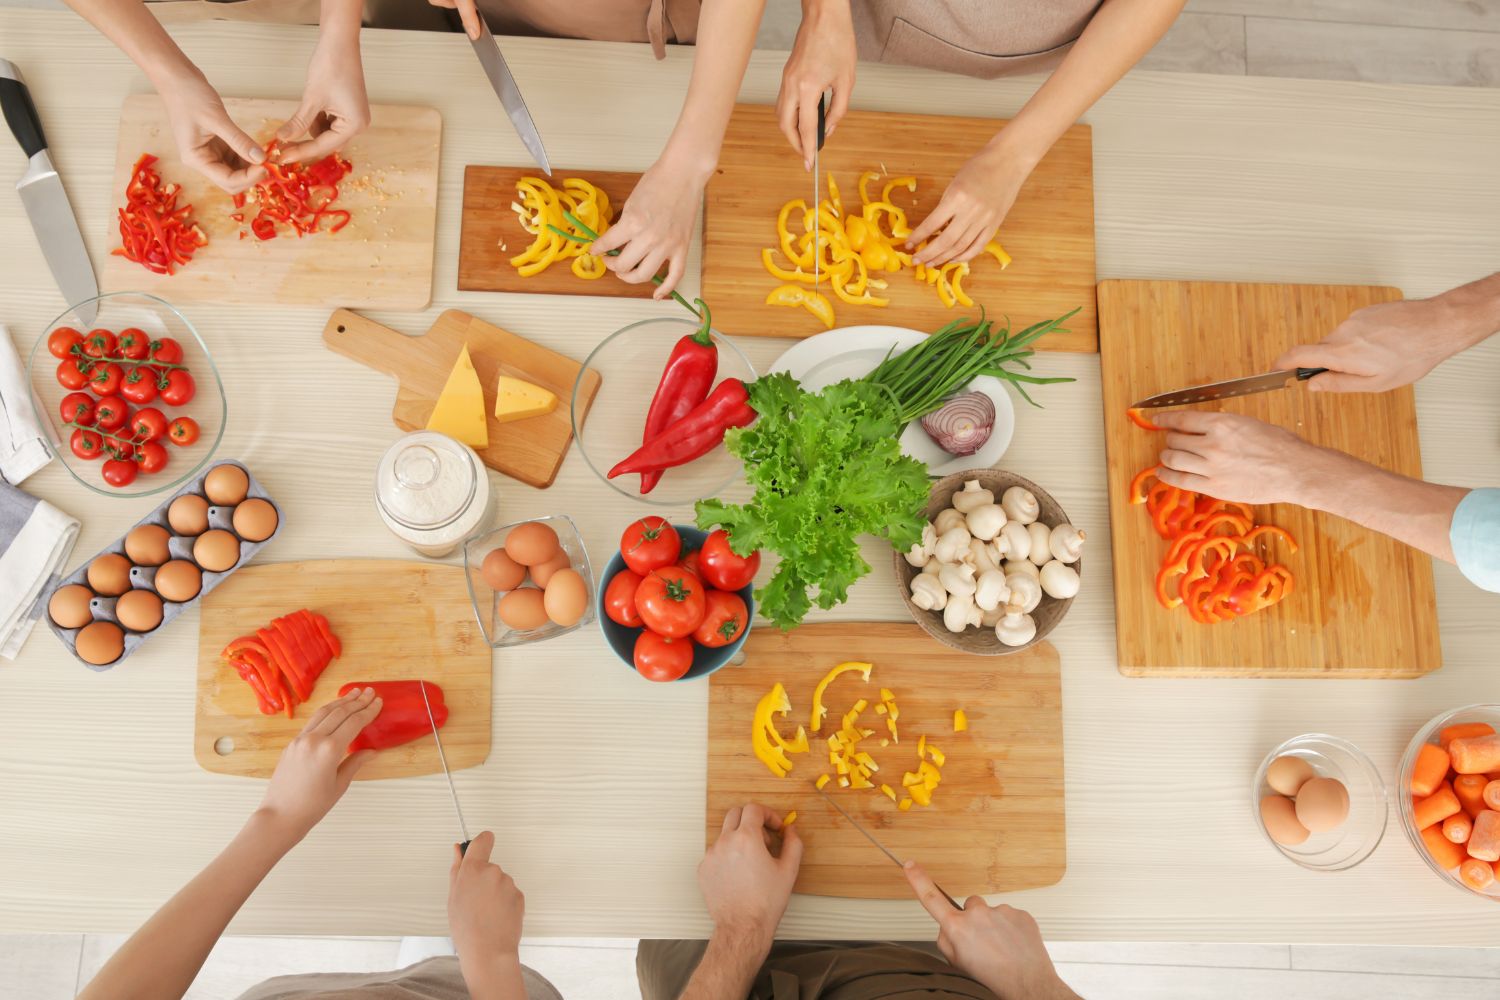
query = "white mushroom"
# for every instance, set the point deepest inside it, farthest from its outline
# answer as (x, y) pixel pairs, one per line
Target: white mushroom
(1025, 567)
(982, 556)
(1066, 544)
(1059, 579)
(951, 546)
(957, 579)
(1025, 591)
(986, 520)
(1017, 540)
(932, 568)
(1041, 539)
(990, 590)
(961, 613)
(971, 496)
(927, 593)
(947, 521)
(989, 619)
(1016, 628)
(1020, 505)
(920, 553)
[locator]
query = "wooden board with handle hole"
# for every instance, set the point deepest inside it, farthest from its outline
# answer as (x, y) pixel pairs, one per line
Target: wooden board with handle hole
(530, 450)
(996, 823)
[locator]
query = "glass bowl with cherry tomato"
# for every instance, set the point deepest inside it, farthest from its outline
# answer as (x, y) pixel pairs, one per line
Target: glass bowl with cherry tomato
(134, 399)
(675, 603)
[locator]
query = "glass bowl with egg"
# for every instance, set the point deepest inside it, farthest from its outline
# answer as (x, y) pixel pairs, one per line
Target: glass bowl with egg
(1320, 802)
(529, 581)
(1445, 843)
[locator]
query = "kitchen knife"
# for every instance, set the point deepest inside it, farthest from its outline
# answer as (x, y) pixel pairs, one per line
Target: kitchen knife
(871, 838)
(45, 200)
(463, 831)
(1247, 386)
(817, 191)
(490, 57)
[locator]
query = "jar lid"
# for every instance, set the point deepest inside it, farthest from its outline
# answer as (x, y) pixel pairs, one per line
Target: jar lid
(426, 481)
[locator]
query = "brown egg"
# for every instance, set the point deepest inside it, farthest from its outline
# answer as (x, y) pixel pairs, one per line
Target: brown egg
(1322, 804)
(542, 573)
(1280, 818)
(179, 580)
(188, 515)
(566, 597)
(101, 643)
(226, 485)
(216, 551)
(523, 609)
(1287, 774)
(502, 572)
(146, 545)
(531, 544)
(69, 606)
(109, 575)
(255, 520)
(139, 610)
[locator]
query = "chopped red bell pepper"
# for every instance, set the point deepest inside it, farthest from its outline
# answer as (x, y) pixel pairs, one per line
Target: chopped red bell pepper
(154, 231)
(327, 633)
(281, 662)
(403, 714)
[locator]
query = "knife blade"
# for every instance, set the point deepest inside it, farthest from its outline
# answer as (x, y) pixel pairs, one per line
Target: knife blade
(493, 61)
(817, 191)
(871, 838)
(463, 830)
(1228, 389)
(46, 201)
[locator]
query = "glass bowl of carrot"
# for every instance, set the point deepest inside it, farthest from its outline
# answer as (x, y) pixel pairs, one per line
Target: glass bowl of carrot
(1448, 791)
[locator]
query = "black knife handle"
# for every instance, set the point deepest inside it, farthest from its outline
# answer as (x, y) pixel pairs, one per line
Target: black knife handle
(822, 121)
(464, 848)
(20, 113)
(1303, 374)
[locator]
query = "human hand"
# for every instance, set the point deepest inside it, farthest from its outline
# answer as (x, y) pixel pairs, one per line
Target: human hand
(1000, 946)
(485, 913)
(973, 205)
(334, 107)
(1379, 347)
(823, 57)
(1233, 457)
(744, 885)
(313, 772)
(467, 12)
(655, 227)
(208, 140)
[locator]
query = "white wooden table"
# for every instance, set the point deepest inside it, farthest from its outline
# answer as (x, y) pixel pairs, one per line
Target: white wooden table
(595, 783)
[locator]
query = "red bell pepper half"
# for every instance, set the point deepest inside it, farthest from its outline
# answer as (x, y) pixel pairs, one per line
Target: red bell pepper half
(403, 714)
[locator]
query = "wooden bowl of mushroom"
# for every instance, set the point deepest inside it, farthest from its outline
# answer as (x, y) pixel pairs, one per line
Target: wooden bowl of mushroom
(997, 567)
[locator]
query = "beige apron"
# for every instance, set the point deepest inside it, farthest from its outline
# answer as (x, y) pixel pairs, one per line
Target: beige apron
(981, 38)
(656, 21)
(435, 979)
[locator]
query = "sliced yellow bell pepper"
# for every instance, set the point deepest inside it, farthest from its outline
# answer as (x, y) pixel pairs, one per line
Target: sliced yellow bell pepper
(833, 195)
(823, 779)
(769, 746)
(904, 805)
(789, 819)
(910, 183)
(864, 179)
(796, 274)
(996, 251)
(818, 711)
(791, 295)
(960, 720)
(888, 792)
(541, 205)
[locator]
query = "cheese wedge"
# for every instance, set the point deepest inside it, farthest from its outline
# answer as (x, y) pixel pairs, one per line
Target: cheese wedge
(516, 399)
(460, 409)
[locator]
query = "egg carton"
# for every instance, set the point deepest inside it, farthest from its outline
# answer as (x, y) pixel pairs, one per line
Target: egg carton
(143, 577)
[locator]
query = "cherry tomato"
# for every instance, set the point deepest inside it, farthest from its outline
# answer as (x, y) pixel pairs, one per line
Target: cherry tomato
(661, 658)
(619, 599)
(179, 389)
(671, 601)
(139, 385)
(120, 472)
(99, 344)
(87, 445)
(650, 543)
(724, 620)
(77, 408)
(111, 413)
(167, 351)
(183, 431)
(722, 568)
(62, 341)
(689, 562)
(151, 457)
(148, 424)
(105, 379)
(70, 376)
(133, 344)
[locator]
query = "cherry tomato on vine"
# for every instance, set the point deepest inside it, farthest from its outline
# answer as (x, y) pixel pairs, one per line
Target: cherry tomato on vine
(105, 379)
(99, 344)
(183, 431)
(139, 385)
(87, 445)
(70, 376)
(660, 658)
(148, 424)
(650, 543)
(167, 351)
(671, 601)
(151, 457)
(60, 342)
(77, 408)
(120, 472)
(111, 413)
(619, 599)
(722, 568)
(724, 619)
(133, 344)
(179, 390)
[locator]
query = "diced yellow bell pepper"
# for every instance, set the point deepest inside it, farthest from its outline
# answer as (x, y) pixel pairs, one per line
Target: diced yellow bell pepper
(843, 782)
(960, 720)
(818, 711)
(885, 742)
(922, 747)
(996, 251)
(789, 819)
(904, 805)
(879, 709)
(890, 723)
(937, 756)
(823, 779)
(857, 780)
(910, 778)
(888, 792)
(920, 795)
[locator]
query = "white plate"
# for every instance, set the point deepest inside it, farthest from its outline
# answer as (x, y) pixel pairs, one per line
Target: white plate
(855, 351)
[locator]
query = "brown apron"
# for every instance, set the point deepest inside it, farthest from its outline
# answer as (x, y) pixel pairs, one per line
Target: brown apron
(656, 21)
(435, 979)
(981, 38)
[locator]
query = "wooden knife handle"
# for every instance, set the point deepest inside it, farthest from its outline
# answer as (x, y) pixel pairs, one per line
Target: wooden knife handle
(368, 342)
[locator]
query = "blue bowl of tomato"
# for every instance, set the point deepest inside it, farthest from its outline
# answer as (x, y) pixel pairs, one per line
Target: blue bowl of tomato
(663, 660)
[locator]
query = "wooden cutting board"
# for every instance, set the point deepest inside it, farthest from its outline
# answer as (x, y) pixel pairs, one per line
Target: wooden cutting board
(381, 260)
(530, 450)
(397, 620)
(491, 235)
(1364, 604)
(996, 822)
(1049, 232)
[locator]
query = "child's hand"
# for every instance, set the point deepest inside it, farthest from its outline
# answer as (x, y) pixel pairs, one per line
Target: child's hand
(313, 771)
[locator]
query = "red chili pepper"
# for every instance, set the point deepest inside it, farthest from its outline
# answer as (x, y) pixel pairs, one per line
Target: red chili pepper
(695, 434)
(685, 381)
(403, 713)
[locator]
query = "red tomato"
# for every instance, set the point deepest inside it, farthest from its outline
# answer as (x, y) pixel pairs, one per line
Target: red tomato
(167, 351)
(724, 620)
(87, 445)
(139, 385)
(671, 601)
(119, 472)
(660, 658)
(148, 424)
(133, 344)
(99, 344)
(689, 562)
(105, 379)
(179, 389)
(650, 543)
(77, 408)
(619, 599)
(60, 342)
(722, 568)
(70, 376)
(183, 431)
(151, 456)
(110, 413)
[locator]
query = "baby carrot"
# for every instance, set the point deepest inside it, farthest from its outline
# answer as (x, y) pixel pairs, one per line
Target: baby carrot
(1437, 807)
(1464, 731)
(1458, 827)
(1484, 842)
(1429, 770)
(1491, 795)
(1470, 791)
(1476, 874)
(1476, 754)
(1445, 852)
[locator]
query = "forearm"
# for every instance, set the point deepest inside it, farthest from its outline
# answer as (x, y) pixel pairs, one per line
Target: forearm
(1409, 510)
(1470, 313)
(729, 965)
(137, 33)
(494, 979)
(341, 18)
(726, 36)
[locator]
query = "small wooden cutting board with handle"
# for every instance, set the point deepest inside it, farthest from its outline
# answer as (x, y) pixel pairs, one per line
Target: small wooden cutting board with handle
(996, 823)
(397, 620)
(530, 450)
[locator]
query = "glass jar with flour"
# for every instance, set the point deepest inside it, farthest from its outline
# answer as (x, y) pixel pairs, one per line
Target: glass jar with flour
(432, 492)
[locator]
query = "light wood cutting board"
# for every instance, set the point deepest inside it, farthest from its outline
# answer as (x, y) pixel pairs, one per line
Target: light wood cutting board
(397, 620)
(1049, 232)
(492, 235)
(1364, 604)
(530, 450)
(381, 260)
(996, 823)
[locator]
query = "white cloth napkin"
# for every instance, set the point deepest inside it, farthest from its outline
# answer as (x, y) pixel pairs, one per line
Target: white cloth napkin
(22, 449)
(35, 541)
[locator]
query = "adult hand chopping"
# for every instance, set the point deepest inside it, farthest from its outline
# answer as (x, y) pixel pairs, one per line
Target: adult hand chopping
(823, 59)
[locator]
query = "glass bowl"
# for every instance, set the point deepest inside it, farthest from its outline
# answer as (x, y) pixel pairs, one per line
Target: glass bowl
(158, 318)
(631, 362)
(486, 600)
(1331, 757)
(1429, 734)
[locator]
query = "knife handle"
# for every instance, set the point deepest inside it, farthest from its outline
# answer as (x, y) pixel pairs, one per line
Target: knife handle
(464, 848)
(20, 113)
(822, 120)
(1303, 374)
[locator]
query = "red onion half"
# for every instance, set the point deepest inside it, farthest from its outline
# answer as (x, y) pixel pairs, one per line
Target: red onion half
(963, 424)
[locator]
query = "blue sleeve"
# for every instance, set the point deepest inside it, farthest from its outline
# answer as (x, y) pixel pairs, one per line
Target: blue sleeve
(1476, 538)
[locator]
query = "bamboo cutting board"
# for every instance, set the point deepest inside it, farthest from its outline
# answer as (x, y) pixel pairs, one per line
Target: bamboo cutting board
(530, 450)
(397, 620)
(1049, 232)
(381, 260)
(492, 235)
(996, 823)
(1364, 604)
